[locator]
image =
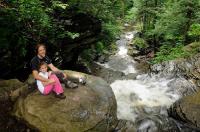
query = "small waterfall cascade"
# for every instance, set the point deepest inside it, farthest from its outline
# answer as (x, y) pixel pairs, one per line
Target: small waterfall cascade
(144, 99)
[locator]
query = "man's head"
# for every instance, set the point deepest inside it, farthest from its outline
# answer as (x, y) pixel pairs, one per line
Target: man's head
(40, 50)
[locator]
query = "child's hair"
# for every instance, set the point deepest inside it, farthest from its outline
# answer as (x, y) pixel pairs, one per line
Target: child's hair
(42, 63)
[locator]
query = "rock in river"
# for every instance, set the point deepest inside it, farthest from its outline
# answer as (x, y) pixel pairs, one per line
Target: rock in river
(90, 107)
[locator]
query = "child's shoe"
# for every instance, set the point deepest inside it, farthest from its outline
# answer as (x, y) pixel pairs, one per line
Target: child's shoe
(60, 96)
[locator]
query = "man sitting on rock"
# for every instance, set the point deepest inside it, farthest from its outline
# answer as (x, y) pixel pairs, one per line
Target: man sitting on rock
(42, 57)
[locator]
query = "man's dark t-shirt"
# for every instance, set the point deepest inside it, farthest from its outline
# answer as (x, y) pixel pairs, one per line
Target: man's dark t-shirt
(36, 61)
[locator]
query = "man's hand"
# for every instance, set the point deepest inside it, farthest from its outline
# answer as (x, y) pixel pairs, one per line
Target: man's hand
(65, 75)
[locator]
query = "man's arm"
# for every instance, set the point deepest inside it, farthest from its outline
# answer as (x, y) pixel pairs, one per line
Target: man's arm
(55, 69)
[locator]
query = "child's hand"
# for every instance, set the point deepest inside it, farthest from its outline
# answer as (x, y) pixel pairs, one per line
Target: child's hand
(51, 81)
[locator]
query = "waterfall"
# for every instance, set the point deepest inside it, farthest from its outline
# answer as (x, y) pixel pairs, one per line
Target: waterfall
(142, 97)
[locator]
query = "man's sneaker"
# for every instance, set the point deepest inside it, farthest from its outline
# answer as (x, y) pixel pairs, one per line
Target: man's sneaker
(69, 84)
(82, 81)
(60, 96)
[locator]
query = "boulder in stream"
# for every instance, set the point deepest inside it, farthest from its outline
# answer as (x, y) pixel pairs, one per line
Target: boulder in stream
(187, 110)
(90, 107)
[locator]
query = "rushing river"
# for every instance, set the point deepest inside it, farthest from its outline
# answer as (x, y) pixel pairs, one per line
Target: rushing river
(144, 99)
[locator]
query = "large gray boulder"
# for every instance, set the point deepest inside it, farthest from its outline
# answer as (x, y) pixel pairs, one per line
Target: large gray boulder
(7, 88)
(89, 108)
(185, 73)
(189, 67)
(187, 109)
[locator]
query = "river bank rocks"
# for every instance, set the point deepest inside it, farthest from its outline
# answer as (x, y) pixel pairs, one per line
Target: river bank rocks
(90, 107)
(186, 73)
(8, 86)
(186, 79)
(107, 74)
(189, 68)
(187, 110)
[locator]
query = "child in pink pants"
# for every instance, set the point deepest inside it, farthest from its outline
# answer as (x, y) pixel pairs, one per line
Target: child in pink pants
(46, 88)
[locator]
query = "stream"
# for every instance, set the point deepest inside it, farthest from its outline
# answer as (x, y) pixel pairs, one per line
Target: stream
(144, 99)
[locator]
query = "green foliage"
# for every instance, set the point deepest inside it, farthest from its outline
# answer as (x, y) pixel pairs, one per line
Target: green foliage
(99, 47)
(194, 30)
(167, 52)
(32, 13)
(140, 42)
(88, 55)
(23, 20)
(172, 22)
(33, 20)
(131, 14)
(107, 11)
(112, 47)
(64, 34)
(110, 31)
(59, 4)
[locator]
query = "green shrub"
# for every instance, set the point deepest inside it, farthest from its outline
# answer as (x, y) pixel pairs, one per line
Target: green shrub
(110, 31)
(141, 43)
(99, 47)
(167, 52)
(195, 31)
(87, 55)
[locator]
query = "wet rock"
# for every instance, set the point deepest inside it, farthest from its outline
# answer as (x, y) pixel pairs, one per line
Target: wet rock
(187, 110)
(156, 123)
(185, 77)
(133, 52)
(90, 107)
(103, 59)
(24, 89)
(186, 70)
(180, 67)
(131, 76)
(125, 126)
(8, 86)
(182, 86)
(159, 123)
(107, 74)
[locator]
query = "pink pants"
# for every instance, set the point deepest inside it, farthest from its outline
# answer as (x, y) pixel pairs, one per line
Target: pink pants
(56, 87)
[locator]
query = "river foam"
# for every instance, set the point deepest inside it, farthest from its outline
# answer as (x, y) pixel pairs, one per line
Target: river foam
(142, 96)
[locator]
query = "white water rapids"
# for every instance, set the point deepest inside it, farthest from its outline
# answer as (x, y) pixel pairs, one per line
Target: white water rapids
(143, 96)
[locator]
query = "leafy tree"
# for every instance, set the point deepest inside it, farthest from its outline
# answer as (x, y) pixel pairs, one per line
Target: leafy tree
(175, 21)
(23, 23)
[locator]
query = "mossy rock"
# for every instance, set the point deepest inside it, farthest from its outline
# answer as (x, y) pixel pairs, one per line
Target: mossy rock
(90, 107)
(187, 109)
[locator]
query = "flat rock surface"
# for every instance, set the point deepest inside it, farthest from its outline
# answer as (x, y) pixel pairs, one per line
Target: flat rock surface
(90, 107)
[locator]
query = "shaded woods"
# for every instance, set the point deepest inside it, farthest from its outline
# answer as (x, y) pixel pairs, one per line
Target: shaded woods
(66, 27)
(74, 27)
(166, 27)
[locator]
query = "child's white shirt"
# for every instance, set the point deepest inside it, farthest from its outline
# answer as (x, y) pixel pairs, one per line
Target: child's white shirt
(39, 83)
